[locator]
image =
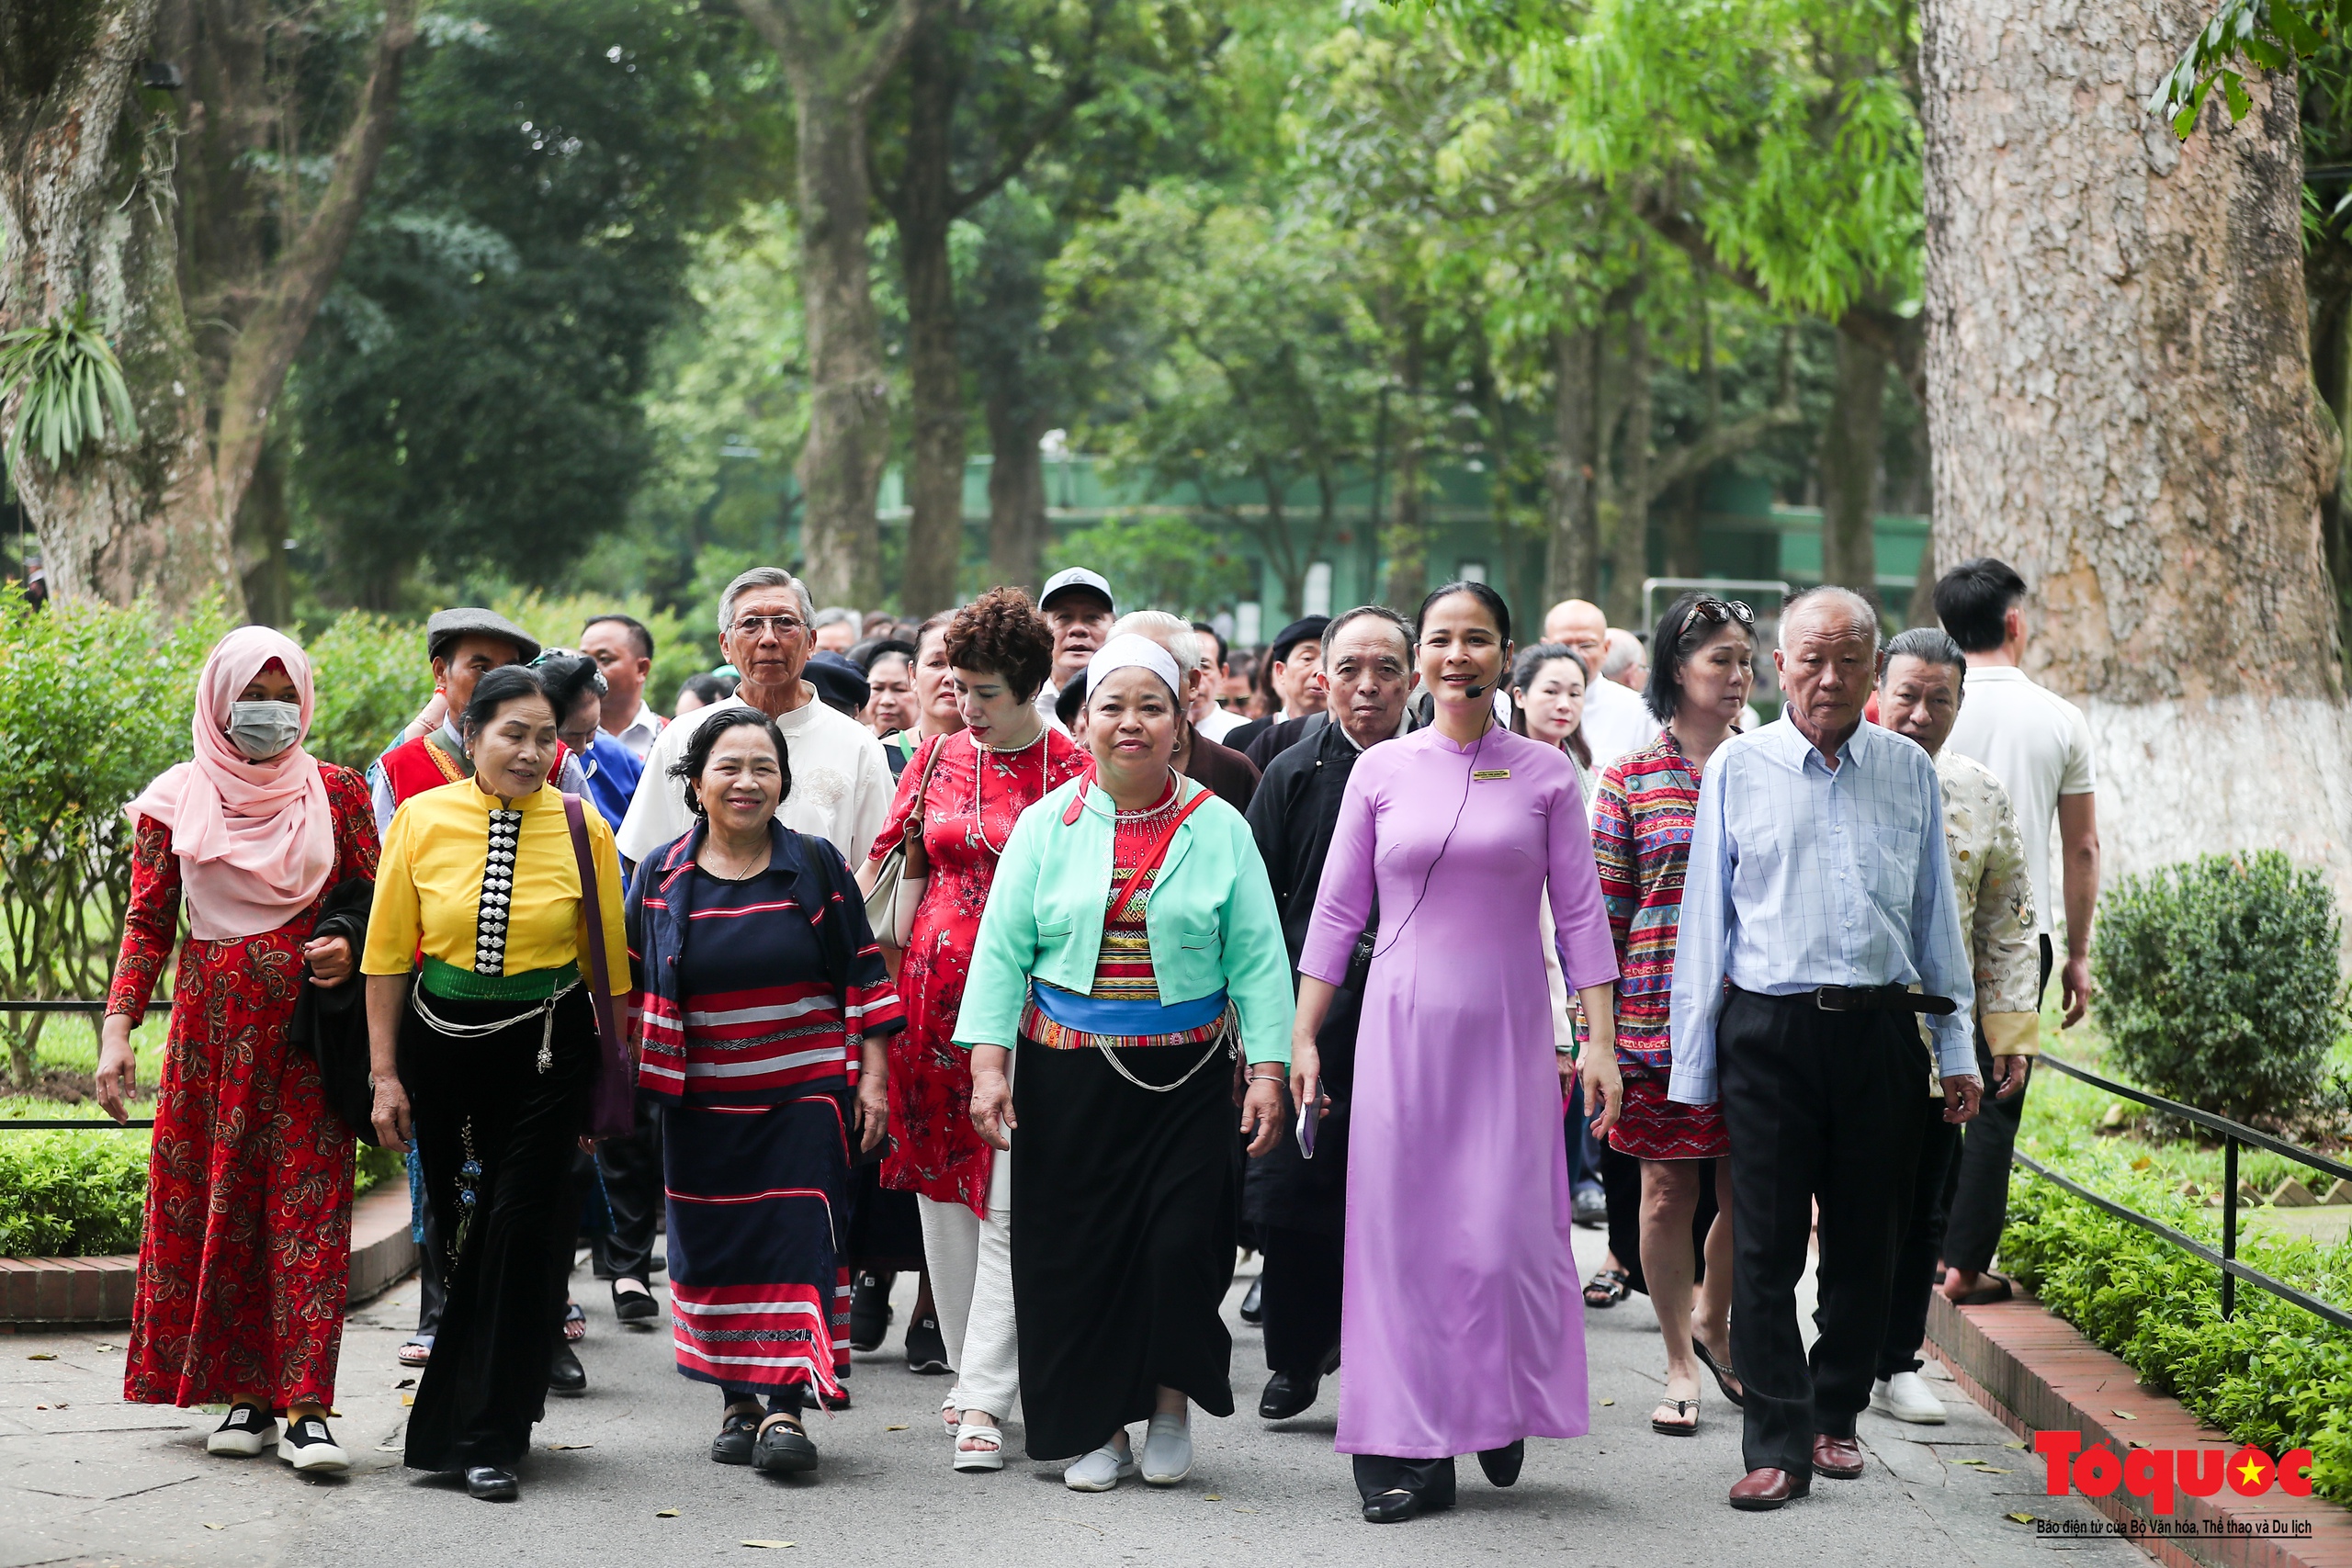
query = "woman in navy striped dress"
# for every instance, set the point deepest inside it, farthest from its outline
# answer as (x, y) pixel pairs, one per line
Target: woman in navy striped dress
(764, 1001)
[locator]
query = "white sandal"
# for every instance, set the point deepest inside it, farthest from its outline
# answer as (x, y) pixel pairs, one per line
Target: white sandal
(989, 1458)
(951, 1413)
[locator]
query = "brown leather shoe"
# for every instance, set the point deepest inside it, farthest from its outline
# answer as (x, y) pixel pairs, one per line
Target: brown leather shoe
(1762, 1489)
(1839, 1459)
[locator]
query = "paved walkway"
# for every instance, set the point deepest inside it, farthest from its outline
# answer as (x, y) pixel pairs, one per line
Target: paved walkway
(88, 1479)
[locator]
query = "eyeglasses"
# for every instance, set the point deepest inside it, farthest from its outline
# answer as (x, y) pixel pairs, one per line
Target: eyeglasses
(1718, 610)
(779, 626)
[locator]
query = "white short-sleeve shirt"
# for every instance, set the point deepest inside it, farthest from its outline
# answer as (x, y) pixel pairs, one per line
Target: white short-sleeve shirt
(1617, 722)
(840, 781)
(2039, 745)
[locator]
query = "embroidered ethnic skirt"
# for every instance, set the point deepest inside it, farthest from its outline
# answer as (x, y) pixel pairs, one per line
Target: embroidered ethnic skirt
(759, 1284)
(1124, 1248)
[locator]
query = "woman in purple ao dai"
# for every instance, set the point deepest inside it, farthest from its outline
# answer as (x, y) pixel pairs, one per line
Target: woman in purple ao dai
(1462, 1319)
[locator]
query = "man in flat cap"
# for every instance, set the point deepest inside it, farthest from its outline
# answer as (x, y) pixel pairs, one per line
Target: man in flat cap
(462, 643)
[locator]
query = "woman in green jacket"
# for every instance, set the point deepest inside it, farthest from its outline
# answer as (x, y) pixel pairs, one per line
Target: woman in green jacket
(1132, 949)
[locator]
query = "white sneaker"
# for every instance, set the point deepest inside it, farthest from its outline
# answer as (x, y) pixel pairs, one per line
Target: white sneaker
(1167, 1451)
(308, 1445)
(1099, 1471)
(1907, 1397)
(243, 1433)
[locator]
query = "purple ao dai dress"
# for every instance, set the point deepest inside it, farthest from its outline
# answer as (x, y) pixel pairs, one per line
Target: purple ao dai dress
(1462, 1323)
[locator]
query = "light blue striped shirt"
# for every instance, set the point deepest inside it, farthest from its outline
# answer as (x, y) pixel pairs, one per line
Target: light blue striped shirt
(1801, 876)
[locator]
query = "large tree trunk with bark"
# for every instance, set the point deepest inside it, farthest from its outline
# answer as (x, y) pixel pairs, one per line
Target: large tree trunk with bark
(834, 66)
(1850, 467)
(86, 213)
(1625, 503)
(925, 209)
(2122, 406)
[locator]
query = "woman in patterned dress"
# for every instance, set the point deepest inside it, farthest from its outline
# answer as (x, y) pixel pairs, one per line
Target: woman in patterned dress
(1002, 761)
(248, 1245)
(1640, 839)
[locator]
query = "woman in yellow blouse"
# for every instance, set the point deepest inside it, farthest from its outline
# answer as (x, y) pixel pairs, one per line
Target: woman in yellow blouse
(480, 896)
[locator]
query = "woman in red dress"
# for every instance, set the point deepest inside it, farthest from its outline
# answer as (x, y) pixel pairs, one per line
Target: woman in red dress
(247, 1247)
(970, 787)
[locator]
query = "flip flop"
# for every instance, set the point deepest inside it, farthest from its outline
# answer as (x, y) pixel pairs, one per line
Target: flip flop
(1995, 1289)
(1686, 1427)
(1723, 1373)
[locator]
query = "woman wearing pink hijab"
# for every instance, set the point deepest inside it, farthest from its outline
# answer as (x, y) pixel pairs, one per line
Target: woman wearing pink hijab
(247, 1247)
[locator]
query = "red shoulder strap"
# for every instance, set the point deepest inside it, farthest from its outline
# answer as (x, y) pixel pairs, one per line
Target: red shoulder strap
(1157, 853)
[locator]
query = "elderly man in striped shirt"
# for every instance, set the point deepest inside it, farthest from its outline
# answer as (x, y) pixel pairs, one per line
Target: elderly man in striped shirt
(1818, 919)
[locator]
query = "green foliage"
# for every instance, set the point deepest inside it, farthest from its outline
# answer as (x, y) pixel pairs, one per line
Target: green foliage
(680, 649)
(2269, 34)
(2271, 1375)
(1168, 563)
(371, 675)
(470, 395)
(2218, 982)
(70, 383)
(71, 1194)
(94, 703)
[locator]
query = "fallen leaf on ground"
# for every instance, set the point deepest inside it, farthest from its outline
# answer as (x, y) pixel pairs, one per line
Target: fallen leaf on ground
(665, 1513)
(2127, 1415)
(408, 1399)
(209, 1525)
(405, 1382)
(1214, 1498)
(894, 1429)
(40, 1356)
(106, 1347)
(772, 1545)
(1608, 1401)
(2020, 1518)
(558, 1448)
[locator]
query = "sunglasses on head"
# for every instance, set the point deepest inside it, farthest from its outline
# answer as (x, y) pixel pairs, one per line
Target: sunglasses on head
(1717, 611)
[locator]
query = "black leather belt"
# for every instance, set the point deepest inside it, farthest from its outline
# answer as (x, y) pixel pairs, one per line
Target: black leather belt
(1880, 999)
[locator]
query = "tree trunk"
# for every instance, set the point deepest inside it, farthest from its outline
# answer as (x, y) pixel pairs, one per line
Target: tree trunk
(1850, 467)
(1573, 550)
(1405, 538)
(280, 304)
(1016, 489)
(833, 67)
(925, 208)
(86, 202)
(1625, 510)
(2121, 406)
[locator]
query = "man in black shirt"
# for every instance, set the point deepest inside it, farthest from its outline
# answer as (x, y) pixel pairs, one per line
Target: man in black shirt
(1298, 1207)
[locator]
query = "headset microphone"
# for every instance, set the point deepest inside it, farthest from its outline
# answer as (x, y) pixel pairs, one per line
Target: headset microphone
(1476, 690)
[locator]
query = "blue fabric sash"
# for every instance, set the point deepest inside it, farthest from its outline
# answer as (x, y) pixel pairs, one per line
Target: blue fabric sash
(1096, 1015)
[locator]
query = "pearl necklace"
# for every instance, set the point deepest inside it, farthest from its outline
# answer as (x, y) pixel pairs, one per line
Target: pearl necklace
(980, 782)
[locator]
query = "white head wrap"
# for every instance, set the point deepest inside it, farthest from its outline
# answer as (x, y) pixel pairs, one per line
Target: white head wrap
(1129, 650)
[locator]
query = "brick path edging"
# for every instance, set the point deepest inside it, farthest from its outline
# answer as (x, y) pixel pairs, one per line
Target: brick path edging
(2036, 1372)
(46, 1291)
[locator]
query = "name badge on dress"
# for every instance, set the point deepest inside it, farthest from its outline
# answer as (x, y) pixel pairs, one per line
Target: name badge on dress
(1491, 773)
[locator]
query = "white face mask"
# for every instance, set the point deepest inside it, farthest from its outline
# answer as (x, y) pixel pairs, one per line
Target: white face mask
(261, 730)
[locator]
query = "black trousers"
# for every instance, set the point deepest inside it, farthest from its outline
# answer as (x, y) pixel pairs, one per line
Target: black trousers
(1922, 1243)
(1978, 1191)
(485, 1102)
(1433, 1478)
(632, 1171)
(1821, 1106)
(1300, 1299)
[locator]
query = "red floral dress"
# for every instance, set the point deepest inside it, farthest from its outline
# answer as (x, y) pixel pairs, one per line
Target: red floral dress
(974, 798)
(247, 1251)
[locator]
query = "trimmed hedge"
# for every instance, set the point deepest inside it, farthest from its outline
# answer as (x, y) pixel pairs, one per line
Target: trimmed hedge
(2272, 1375)
(71, 1194)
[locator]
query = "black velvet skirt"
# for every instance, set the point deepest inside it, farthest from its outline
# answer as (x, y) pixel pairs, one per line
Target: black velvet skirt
(1124, 1245)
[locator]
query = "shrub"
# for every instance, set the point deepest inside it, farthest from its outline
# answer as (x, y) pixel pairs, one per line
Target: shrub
(2271, 1374)
(71, 1194)
(371, 676)
(2218, 982)
(94, 703)
(680, 649)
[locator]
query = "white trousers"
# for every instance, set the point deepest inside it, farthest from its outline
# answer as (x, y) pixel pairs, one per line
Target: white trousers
(971, 1284)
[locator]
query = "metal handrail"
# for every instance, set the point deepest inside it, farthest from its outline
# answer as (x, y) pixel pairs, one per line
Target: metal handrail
(68, 1123)
(2233, 1134)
